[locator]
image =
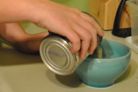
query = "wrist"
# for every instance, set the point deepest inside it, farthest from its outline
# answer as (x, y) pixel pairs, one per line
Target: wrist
(38, 11)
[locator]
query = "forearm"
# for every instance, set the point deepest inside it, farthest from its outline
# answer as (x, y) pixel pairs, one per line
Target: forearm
(17, 10)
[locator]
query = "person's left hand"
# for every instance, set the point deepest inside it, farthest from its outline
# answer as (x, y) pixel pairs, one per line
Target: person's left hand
(18, 38)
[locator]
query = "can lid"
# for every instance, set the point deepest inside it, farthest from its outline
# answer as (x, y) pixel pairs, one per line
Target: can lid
(55, 53)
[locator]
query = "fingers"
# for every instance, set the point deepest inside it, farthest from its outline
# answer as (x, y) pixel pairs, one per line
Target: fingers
(75, 41)
(93, 44)
(82, 33)
(91, 30)
(21, 40)
(93, 22)
(68, 32)
(94, 28)
(84, 36)
(13, 33)
(87, 29)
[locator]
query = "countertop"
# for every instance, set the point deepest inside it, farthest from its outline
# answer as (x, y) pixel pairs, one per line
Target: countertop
(26, 73)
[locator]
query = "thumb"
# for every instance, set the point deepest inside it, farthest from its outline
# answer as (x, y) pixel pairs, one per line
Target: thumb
(32, 43)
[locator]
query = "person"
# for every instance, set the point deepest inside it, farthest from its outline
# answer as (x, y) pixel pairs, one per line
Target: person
(79, 28)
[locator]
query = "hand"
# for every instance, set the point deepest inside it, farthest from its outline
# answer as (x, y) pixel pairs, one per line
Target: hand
(14, 34)
(78, 27)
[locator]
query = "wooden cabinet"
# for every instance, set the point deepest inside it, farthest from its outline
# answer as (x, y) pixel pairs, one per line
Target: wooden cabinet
(105, 10)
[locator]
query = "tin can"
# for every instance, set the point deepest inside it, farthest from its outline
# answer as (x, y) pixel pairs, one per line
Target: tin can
(56, 55)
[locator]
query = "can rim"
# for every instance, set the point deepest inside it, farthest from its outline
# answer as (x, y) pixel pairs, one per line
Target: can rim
(72, 58)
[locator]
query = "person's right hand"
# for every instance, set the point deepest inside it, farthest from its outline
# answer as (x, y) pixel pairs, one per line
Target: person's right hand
(79, 28)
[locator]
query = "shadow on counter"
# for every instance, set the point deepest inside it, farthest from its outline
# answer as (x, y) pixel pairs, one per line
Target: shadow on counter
(70, 81)
(129, 73)
(9, 56)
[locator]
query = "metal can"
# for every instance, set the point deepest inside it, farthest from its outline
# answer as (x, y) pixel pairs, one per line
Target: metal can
(56, 55)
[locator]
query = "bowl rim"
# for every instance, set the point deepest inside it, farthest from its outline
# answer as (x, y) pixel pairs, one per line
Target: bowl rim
(110, 59)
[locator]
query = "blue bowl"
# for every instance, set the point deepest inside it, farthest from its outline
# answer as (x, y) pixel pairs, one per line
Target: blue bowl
(103, 72)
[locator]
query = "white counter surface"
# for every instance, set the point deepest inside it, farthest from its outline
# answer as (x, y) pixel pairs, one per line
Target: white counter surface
(26, 73)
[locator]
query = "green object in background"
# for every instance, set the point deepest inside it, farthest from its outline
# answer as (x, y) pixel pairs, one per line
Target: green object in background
(60, 1)
(82, 5)
(32, 28)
